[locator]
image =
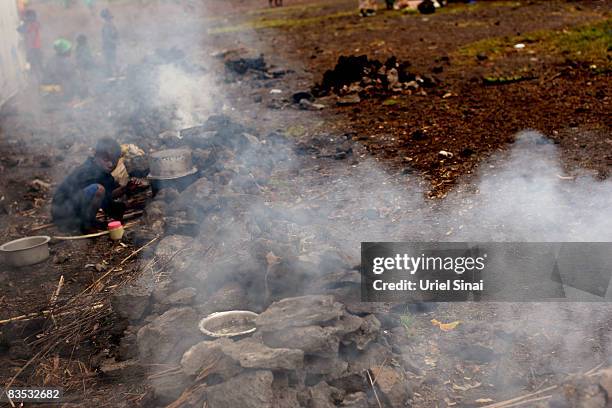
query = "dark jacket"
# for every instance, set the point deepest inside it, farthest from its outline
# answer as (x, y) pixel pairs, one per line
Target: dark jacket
(66, 200)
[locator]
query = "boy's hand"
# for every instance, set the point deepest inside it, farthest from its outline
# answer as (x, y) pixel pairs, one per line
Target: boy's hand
(134, 184)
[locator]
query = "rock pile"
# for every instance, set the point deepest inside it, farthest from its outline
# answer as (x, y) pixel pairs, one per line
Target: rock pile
(224, 249)
(308, 351)
(356, 77)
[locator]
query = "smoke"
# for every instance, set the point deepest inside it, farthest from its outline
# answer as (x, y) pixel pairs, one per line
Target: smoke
(527, 196)
(190, 94)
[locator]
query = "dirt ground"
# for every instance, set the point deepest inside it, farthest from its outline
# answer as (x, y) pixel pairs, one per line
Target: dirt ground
(472, 110)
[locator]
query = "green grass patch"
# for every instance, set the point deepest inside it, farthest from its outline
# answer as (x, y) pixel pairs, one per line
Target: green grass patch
(591, 43)
(391, 102)
(462, 8)
(279, 22)
(407, 321)
(299, 9)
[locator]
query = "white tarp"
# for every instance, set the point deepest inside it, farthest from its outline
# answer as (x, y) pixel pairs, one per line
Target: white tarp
(11, 61)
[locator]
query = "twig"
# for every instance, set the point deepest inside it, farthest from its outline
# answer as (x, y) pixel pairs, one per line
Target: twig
(42, 227)
(57, 291)
(170, 371)
(505, 404)
(24, 317)
(516, 404)
(594, 369)
(373, 388)
(111, 270)
(557, 75)
(26, 365)
(138, 250)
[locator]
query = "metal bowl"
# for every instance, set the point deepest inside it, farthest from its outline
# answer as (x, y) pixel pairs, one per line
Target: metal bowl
(26, 251)
(229, 324)
(171, 164)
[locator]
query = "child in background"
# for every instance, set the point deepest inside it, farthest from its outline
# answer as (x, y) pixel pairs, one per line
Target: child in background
(84, 64)
(87, 189)
(82, 54)
(60, 69)
(30, 29)
(110, 38)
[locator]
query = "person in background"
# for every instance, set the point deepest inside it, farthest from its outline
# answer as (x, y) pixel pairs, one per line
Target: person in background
(367, 8)
(85, 64)
(426, 7)
(22, 6)
(83, 55)
(110, 38)
(91, 5)
(30, 29)
(60, 69)
(89, 188)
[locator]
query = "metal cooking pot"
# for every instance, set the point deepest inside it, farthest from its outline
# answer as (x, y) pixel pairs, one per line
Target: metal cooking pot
(26, 251)
(229, 324)
(171, 164)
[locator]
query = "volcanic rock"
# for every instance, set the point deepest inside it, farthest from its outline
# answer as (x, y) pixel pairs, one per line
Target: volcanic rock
(243, 65)
(196, 199)
(367, 332)
(252, 354)
(127, 345)
(169, 335)
(330, 367)
(356, 400)
(285, 397)
(167, 195)
(170, 245)
(162, 290)
(219, 131)
(347, 323)
(310, 339)
(333, 280)
(393, 384)
(370, 359)
(249, 390)
(169, 387)
(323, 395)
(207, 354)
(231, 296)
(131, 301)
(182, 297)
(299, 311)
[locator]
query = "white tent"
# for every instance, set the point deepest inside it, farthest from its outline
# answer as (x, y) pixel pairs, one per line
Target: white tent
(11, 60)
